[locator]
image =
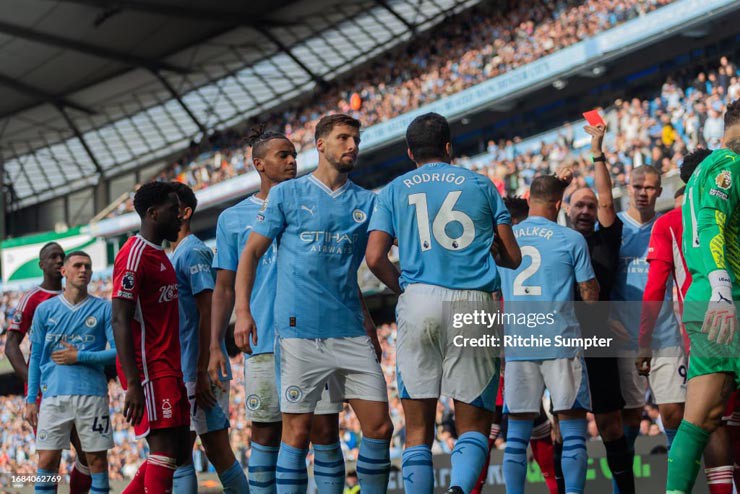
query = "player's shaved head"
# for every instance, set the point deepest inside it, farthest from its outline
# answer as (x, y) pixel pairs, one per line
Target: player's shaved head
(546, 189)
(48, 248)
(691, 161)
(644, 190)
(428, 138)
(644, 171)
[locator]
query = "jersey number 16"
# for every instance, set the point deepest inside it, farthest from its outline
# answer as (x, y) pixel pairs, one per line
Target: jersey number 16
(445, 216)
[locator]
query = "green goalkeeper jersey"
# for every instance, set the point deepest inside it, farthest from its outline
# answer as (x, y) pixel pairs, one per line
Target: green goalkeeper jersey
(711, 228)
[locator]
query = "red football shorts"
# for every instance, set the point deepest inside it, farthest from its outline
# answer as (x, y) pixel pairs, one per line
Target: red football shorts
(167, 406)
(500, 392)
(732, 411)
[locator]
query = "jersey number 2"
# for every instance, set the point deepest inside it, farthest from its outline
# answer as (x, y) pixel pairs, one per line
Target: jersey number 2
(519, 287)
(445, 216)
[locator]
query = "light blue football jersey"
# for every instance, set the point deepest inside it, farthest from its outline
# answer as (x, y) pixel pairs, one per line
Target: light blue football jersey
(192, 261)
(322, 235)
(87, 326)
(554, 259)
(629, 285)
(234, 226)
(444, 217)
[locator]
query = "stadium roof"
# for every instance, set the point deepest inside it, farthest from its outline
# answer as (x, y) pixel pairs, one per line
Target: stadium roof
(92, 88)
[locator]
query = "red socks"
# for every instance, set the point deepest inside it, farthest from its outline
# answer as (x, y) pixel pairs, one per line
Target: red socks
(79, 478)
(719, 479)
(137, 483)
(541, 444)
(159, 472)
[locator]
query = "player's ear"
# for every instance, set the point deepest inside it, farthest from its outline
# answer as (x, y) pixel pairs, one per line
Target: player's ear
(410, 154)
(320, 144)
(448, 150)
(660, 191)
(258, 164)
(558, 205)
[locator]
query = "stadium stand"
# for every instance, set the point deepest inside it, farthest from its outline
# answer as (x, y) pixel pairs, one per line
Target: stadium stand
(456, 56)
(657, 130)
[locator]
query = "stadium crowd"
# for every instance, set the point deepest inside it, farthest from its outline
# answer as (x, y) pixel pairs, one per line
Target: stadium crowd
(452, 57)
(681, 116)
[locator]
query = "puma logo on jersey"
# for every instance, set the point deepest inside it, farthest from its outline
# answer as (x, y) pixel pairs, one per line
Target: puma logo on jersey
(310, 210)
(162, 267)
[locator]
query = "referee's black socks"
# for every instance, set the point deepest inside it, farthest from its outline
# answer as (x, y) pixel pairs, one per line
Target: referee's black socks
(620, 458)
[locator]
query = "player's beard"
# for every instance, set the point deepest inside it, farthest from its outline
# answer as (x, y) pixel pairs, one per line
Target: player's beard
(342, 165)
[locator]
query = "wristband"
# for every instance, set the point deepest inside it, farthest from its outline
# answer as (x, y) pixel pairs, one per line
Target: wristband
(721, 285)
(601, 158)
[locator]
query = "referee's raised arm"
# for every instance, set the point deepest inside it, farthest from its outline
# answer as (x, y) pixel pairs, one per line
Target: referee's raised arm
(605, 212)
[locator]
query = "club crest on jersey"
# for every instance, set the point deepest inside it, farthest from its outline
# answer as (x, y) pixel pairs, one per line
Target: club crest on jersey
(43, 435)
(293, 394)
(359, 216)
(724, 180)
(166, 408)
(91, 321)
(253, 402)
(128, 281)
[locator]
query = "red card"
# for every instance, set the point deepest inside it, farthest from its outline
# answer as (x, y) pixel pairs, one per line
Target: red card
(593, 118)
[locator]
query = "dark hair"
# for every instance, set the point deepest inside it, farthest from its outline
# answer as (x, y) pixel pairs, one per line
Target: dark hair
(186, 195)
(679, 192)
(258, 138)
(427, 137)
(72, 254)
(547, 188)
(732, 115)
(47, 246)
(691, 161)
(518, 207)
(152, 194)
(327, 124)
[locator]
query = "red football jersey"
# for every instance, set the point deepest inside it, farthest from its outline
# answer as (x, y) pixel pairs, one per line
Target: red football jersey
(665, 245)
(23, 315)
(143, 274)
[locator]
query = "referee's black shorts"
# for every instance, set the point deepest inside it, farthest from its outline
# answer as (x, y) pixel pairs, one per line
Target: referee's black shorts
(603, 379)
